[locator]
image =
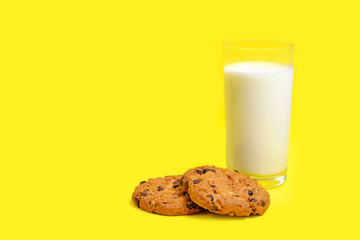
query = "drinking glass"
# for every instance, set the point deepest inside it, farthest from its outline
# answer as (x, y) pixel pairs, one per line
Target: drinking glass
(258, 78)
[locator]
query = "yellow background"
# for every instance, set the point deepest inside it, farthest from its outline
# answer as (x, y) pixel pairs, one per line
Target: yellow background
(97, 96)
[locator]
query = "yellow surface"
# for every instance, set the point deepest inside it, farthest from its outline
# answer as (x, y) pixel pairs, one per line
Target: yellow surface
(97, 96)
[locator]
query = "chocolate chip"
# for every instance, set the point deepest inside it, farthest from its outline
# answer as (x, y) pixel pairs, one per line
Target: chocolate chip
(160, 188)
(137, 202)
(164, 202)
(199, 172)
(176, 184)
(247, 184)
(192, 205)
(144, 193)
(262, 203)
(236, 171)
(236, 196)
(196, 181)
(253, 200)
(149, 202)
(211, 197)
(251, 214)
(186, 185)
(206, 170)
(142, 182)
(213, 170)
(181, 180)
(250, 192)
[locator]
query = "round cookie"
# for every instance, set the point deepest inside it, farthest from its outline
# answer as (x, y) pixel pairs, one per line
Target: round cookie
(225, 191)
(164, 196)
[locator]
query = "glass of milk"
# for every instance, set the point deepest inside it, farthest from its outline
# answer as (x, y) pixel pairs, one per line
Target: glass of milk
(258, 78)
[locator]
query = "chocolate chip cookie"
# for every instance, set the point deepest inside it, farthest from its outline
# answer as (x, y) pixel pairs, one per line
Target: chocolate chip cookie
(225, 191)
(164, 196)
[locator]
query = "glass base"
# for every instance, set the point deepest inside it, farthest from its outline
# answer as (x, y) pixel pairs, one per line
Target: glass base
(270, 182)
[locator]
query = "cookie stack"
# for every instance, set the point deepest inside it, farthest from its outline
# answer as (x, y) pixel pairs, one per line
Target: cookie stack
(218, 190)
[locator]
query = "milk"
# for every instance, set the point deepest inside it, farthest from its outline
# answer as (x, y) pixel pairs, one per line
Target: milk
(257, 105)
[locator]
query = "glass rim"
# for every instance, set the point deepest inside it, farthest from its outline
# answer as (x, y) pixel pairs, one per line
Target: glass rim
(285, 44)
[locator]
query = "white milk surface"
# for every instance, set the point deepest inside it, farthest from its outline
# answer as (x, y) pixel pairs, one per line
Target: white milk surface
(258, 105)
